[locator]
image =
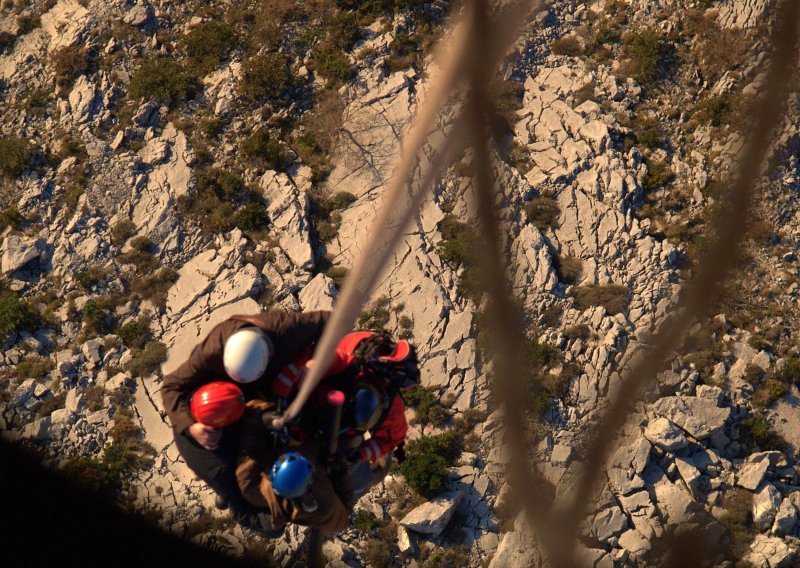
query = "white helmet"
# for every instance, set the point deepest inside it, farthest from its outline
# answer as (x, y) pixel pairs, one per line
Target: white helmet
(246, 355)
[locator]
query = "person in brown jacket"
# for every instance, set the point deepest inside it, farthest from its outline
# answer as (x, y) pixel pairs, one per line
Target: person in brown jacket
(249, 349)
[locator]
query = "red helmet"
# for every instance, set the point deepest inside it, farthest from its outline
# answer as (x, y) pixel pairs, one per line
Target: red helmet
(217, 404)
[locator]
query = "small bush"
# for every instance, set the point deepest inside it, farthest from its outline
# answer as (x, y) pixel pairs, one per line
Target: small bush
(34, 367)
(425, 473)
(97, 318)
(91, 276)
(648, 132)
(338, 274)
(447, 445)
(93, 396)
(790, 372)
(755, 432)
(567, 45)
(713, 110)
(69, 63)
(365, 521)
(15, 156)
(51, 404)
(210, 43)
(645, 52)
(340, 200)
(376, 316)
(426, 404)
(261, 148)
(658, 174)
(768, 392)
(163, 80)
(252, 218)
(135, 334)
(10, 217)
(331, 63)
(542, 212)
(265, 77)
(578, 331)
(738, 520)
(568, 268)
(15, 314)
(147, 361)
(612, 297)
(155, 286)
(122, 231)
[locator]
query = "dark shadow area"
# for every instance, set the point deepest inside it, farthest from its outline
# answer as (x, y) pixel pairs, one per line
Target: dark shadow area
(47, 520)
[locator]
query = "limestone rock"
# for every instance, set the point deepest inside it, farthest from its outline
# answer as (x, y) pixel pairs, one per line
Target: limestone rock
(432, 517)
(699, 417)
(319, 294)
(83, 100)
(785, 518)
(751, 474)
(515, 552)
(288, 208)
(742, 14)
(771, 552)
(664, 434)
(17, 252)
(765, 505)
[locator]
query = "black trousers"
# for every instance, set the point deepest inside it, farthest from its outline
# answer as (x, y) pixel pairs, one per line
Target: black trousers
(218, 469)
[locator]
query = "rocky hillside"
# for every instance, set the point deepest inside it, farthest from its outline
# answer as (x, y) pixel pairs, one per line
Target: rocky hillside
(166, 165)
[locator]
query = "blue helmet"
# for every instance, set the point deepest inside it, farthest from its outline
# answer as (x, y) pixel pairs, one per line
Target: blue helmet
(291, 475)
(366, 408)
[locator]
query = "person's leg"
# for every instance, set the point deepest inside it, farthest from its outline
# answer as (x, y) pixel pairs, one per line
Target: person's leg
(217, 469)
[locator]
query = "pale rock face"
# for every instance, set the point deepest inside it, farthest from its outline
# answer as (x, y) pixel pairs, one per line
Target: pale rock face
(83, 100)
(432, 517)
(17, 252)
(288, 207)
(138, 14)
(752, 473)
(785, 518)
(765, 506)
(319, 294)
(771, 552)
(699, 417)
(664, 434)
(742, 14)
(65, 23)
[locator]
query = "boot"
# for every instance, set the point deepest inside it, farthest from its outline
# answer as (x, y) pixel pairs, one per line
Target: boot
(220, 502)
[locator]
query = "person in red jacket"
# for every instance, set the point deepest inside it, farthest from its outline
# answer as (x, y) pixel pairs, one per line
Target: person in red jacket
(370, 369)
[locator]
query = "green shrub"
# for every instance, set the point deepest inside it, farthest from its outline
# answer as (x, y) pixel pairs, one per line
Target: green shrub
(738, 520)
(331, 63)
(34, 367)
(265, 76)
(69, 63)
(447, 445)
(645, 52)
(10, 217)
(15, 156)
(542, 212)
(154, 287)
(567, 45)
(340, 200)
(265, 150)
(163, 79)
(93, 396)
(648, 132)
(135, 334)
(51, 404)
(91, 276)
(427, 406)
(585, 93)
(755, 432)
(252, 217)
(147, 361)
(210, 43)
(425, 473)
(365, 521)
(790, 372)
(97, 318)
(578, 331)
(612, 297)
(714, 110)
(107, 475)
(122, 231)
(568, 268)
(15, 314)
(658, 174)
(338, 274)
(376, 316)
(768, 392)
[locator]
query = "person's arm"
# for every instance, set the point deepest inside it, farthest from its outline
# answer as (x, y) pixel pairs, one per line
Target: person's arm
(203, 366)
(387, 435)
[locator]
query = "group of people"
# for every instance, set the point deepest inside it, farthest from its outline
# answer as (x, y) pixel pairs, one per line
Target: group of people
(223, 399)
